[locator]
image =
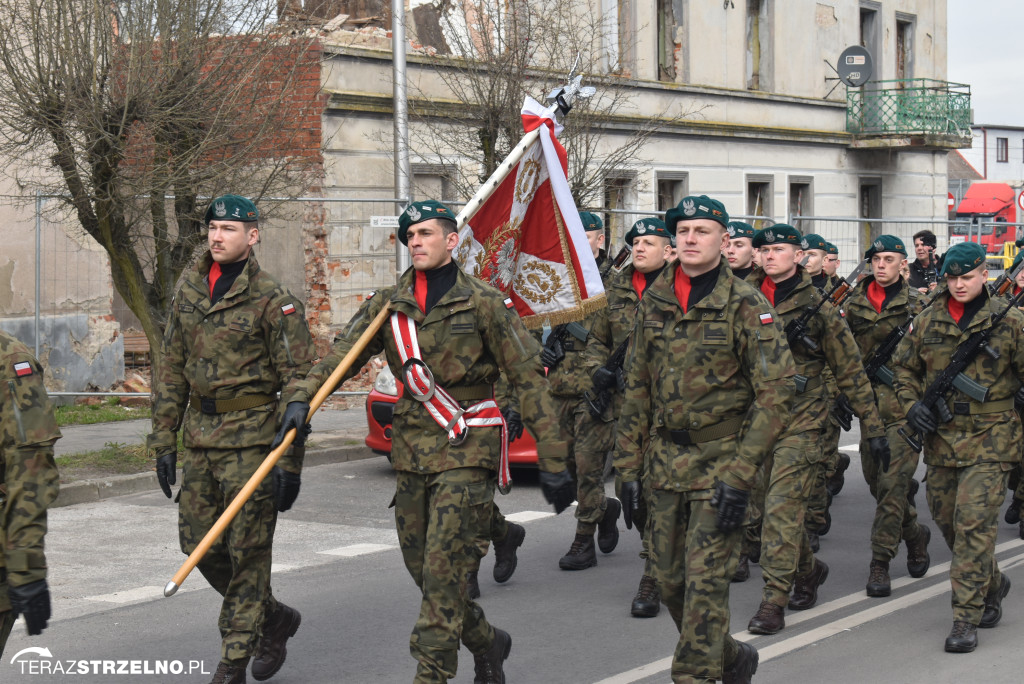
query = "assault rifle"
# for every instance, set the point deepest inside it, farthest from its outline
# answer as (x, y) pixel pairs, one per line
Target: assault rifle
(796, 330)
(554, 345)
(600, 395)
(934, 398)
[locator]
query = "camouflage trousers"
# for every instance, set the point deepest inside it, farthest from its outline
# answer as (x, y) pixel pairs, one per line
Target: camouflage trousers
(6, 614)
(496, 533)
(693, 562)
(589, 442)
(895, 518)
(786, 551)
(755, 510)
(964, 503)
(441, 518)
(238, 564)
(818, 503)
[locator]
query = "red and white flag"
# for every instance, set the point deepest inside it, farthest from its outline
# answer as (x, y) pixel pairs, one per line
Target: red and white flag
(527, 239)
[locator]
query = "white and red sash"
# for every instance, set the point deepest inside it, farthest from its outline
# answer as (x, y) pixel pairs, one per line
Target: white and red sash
(445, 411)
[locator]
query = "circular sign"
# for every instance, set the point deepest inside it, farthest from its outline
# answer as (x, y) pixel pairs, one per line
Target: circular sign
(854, 66)
(950, 201)
(1020, 200)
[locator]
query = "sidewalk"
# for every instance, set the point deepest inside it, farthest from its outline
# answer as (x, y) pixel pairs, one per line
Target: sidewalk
(337, 437)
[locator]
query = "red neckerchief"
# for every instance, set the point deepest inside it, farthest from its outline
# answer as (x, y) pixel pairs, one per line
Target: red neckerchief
(1016, 290)
(876, 295)
(639, 283)
(768, 288)
(420, 290)
(213, 276)
(956, 309)
(682, 288)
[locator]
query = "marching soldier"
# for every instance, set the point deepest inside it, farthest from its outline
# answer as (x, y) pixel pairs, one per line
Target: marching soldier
(235, 337)
(740, 250)
(709, 387)
(831, 264)
(1016, 483)
(786, 558)
(651, 244)
(594, 227)
(881, 304)
(969, 455)
(29, 484)
(451, 335)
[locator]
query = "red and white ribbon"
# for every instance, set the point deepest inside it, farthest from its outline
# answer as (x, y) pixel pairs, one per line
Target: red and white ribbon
(445, 411)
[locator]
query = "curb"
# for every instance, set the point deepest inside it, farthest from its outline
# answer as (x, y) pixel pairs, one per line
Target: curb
(89, 491)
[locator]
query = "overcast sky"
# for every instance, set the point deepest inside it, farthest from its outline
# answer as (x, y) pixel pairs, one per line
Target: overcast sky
(985, 52)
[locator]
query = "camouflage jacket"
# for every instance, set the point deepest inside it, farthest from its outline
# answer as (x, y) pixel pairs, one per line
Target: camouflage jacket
(253, 341)
(29, 481)
(466, 339)
(724, 359)
(838, 351)
(572, 376)
(870, 328)
(988, 432)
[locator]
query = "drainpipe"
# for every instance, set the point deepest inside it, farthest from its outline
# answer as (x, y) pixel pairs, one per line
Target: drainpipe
(403, 168)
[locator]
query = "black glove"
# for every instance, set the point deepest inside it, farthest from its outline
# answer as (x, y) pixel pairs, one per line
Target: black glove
(1013, 512)
(33, 601)
(880, 450)
(166, 470)
(843, 412)
(294, 417)
(551, 354)
(1018, 398)
(604, 380)
(513, 423)
(286, 488)
(921, 419)
(732, 506)
(631, 499)
(558, 489)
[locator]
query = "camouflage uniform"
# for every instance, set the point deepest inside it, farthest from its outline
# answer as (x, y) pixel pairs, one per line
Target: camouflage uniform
(895, 518)
(721, 377)
(243, 349)
(968, 458)
(444, 497)
(797, 457)
(29, 482)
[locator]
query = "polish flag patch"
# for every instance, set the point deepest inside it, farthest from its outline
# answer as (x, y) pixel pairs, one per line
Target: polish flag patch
(23, 368)
(288, 309)
(766, 318)
(508, 303)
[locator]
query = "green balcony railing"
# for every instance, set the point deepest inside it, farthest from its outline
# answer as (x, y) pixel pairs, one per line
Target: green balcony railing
(909, 106)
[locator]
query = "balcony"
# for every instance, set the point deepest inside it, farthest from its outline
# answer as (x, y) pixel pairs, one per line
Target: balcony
(919, 113)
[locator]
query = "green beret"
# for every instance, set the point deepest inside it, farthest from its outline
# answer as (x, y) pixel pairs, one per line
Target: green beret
(887, 243)
(417, 212)
(963, 257)
(697, 208)
(814, 241)
(232, 208)
(739, 229)
(1017, 259)
(649, 226)
(831, 249)
(779, 234)
(591, 221)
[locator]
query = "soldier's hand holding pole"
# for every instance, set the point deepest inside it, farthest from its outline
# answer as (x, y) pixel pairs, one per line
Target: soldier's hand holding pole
(631, 504)
(880, 450)
(295, 416)
(286, 488)
(166, 470)
(558, 489)
(33, 601)
(732, 506)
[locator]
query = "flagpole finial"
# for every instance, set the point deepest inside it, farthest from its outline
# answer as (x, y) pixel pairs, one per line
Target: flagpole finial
(564, 96)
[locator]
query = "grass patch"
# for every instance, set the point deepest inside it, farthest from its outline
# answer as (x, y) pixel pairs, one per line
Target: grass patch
(109, 411)
(113, 459)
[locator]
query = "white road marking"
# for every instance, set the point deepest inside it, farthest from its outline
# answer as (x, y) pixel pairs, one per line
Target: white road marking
(130, 595)
(850, 447)
(879, 609)
(529, 516)
(353, 550)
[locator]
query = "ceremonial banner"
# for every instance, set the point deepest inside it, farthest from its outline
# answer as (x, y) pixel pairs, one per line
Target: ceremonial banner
(527, 239)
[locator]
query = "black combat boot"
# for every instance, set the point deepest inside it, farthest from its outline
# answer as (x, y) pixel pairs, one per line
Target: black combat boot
(814, 541)
(768, 619)
(472, 584)
(918, 560)
(834, 485)
(805, 588)
(647, 602)
(581, 554)
(607, 530)
(743, 668)
(878, 578)
(488, 666)
(505, 559)
(742, 573)
(754, 553)
(278, 627)
(963, 638)
(994, 604)
(827, 525)
(229, 674)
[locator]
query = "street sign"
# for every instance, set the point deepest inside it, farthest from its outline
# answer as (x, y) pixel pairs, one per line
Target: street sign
(384, 222)
(951, 202)
(1020, 200)
(854, 66)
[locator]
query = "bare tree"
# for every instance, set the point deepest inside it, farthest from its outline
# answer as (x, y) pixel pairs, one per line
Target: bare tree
(138, 112)
(490, 54)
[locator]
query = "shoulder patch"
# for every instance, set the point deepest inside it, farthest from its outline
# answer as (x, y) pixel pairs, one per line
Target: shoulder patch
(766, 318)
(22, 369)
(508, 303)
(370, 295)
(288, 309)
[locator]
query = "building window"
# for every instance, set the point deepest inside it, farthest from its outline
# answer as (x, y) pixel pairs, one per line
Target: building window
(617, 35)
(759, 45)
(433, 181)
(672, 188)
(801, 200)
(870, 208)
(759, 200)
(1002, 149)
(904, 46)
(667, 40)
(618, 192)
(870, 24)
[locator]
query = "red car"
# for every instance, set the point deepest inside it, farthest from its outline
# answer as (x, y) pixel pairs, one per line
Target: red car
(380, 407)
